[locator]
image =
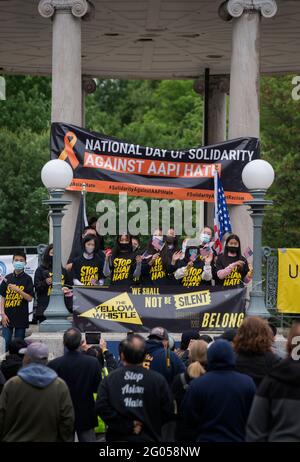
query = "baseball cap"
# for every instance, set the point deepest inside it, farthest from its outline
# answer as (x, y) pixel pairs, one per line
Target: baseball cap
(160, 333)
(36, 350)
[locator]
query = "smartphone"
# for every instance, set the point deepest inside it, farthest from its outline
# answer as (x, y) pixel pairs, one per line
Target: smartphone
(92, 338)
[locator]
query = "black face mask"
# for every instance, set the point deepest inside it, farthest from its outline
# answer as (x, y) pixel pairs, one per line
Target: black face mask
(232, 249)
(125, 247)
(170, 240)
(50, 260)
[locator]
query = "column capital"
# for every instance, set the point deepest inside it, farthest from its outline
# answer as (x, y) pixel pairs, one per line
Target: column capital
(216, 83)
(235, 8)
(79, 8)
(89, 85)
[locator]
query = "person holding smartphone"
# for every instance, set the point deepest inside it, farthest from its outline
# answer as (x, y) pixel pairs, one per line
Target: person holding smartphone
(95, 345)
(231, 268)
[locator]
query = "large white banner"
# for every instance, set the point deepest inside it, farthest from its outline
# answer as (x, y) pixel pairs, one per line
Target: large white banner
(6, 267)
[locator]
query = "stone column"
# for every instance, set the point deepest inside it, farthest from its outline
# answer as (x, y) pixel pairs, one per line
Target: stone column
(66, 18)
(218, 89)
(244, 84)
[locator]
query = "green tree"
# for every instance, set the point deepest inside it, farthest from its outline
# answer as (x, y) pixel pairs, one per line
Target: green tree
(280, 123)
(23, 218)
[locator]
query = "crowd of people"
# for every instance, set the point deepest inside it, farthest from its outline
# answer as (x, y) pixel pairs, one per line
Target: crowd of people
(163, 262)
(238, 386)
(230, 388)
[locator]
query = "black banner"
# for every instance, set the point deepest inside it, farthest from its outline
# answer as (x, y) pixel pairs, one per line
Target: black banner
(140, 308)
(112, 166)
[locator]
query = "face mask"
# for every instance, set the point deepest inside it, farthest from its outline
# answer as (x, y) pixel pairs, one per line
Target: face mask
(19, 265)
(232, 249)
(125, 246)
(89, 250)
(156, 236)
(183, 247)
(170, 239)
(205, 238)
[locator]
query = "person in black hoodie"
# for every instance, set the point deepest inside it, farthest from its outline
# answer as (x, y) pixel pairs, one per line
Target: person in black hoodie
(43, 284)
(274, 416)
(217, 404)
(77, 250)
(123, 265)
(159, 358)
(134, 402)
(253, 345)
(13, 360)
(232, 269)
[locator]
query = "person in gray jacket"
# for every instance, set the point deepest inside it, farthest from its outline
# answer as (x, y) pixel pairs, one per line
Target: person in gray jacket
(35, 405)
(274, 416)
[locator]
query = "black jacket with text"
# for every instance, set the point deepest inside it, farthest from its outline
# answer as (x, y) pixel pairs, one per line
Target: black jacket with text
(134, 393)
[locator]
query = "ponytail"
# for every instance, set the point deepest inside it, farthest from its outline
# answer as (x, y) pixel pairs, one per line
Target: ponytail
(195, 370)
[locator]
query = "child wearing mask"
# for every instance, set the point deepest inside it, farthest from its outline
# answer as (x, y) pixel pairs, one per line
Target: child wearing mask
(207, 240)
(88, 268)
(231, 268)
(123, 265)
(206, 236)
(76, 251)
(192, 268)
(43, 285)
(16, 292)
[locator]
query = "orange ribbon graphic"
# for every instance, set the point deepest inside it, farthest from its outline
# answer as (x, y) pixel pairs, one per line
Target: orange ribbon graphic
(68, 153)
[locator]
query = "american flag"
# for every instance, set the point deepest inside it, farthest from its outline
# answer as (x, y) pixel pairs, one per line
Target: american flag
(248, 253)
(205, 251)
(193, 255)
(158, 244)
(222, 223)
